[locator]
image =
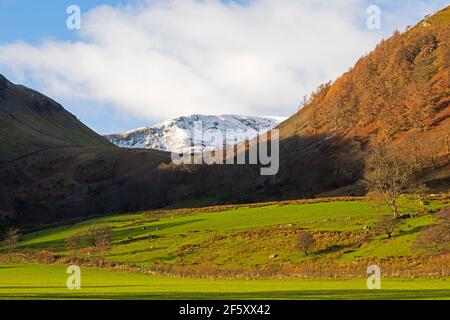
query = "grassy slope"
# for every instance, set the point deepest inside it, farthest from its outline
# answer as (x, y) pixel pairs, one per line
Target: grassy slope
(49, 282)
(247, 236)
(30, 122)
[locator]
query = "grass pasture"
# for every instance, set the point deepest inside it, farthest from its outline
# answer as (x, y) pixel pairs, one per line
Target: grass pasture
(247, 237)
(195, 254)
(49, 282)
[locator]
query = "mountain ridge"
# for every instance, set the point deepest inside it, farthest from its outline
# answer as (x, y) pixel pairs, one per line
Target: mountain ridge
(177, 134)
(31, 121)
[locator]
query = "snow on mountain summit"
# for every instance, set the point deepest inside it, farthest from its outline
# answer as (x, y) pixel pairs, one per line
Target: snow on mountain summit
(176, 135)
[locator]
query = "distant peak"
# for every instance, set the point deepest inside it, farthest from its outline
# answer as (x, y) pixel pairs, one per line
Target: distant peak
(177, 134)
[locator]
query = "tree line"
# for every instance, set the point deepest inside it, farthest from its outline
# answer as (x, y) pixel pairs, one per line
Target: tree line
(95, 242)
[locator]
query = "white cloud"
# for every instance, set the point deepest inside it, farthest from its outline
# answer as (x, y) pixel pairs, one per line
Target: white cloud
(161, 59)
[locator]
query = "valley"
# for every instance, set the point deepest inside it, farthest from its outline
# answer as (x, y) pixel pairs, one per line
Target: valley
(245, 252)
(362, 180)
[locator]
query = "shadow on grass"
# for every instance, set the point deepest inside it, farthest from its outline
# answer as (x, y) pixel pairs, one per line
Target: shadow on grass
(281, 295)
(330, 249)
(53, 244)
(85, 287)
(140, 230)
(120, 236)
(148, 237)
(412, 231)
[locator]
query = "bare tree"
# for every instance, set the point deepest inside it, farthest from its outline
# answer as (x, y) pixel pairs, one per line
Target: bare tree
(387, 225)
(73, 244)
(387, 177)
(305, 241)
(100, 237)
(12, 237)
(304, 102)
(103, 242)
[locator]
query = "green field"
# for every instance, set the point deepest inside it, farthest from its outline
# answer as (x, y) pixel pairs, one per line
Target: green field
(49, 282)
(243, 240)
(248, 237)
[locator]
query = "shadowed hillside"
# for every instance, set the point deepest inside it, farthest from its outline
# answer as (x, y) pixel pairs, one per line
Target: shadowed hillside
(54, 167)
(30, 122)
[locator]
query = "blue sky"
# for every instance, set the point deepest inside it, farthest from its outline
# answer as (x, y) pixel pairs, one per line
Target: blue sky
(32, 21)
(195, 57)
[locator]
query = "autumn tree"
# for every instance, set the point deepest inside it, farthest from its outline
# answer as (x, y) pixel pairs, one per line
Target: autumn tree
(387, 176)
(305, 242)
(314, 122)
(433, 148)
(415, 149)
(336, 118)
(419, 111)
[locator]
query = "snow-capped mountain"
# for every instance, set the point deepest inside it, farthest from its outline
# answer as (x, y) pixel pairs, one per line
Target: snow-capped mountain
(200, 131)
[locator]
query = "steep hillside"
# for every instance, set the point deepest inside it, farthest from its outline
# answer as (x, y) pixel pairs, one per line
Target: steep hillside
(30, 121)
(54, 167)
(403, 86)
(396, 96)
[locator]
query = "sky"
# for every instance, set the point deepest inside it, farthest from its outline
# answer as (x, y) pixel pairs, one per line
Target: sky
(138, 62)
